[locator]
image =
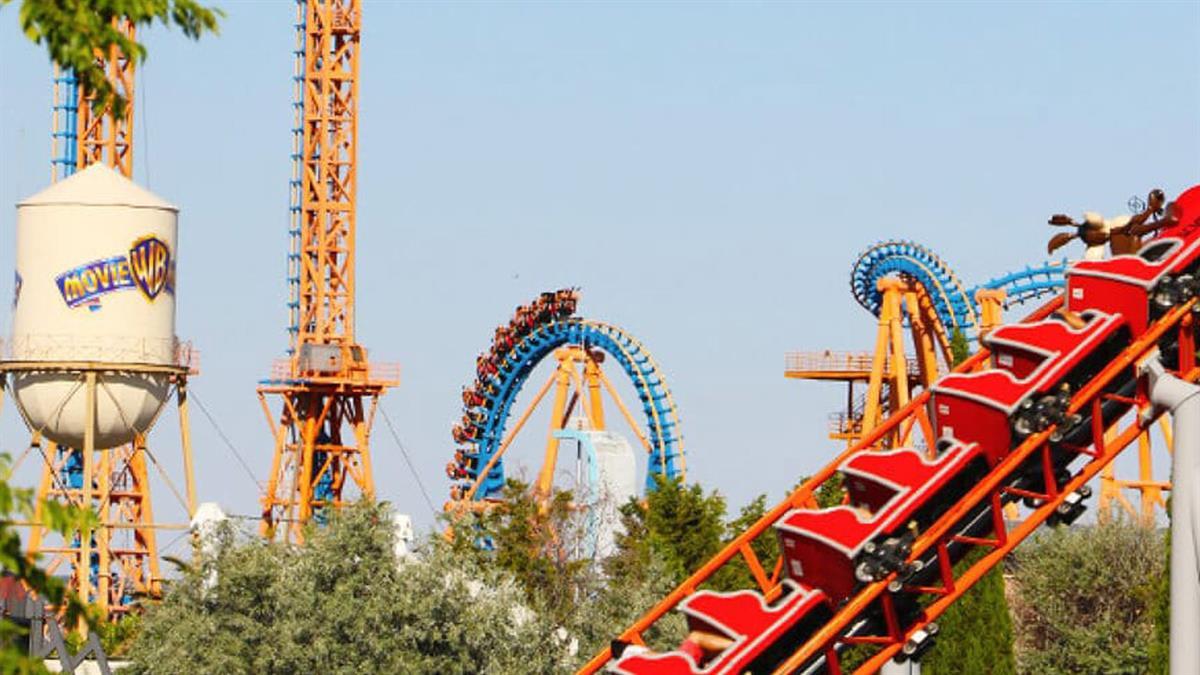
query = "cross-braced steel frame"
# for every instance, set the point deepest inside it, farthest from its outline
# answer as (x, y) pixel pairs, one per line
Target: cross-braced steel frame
(322, 427)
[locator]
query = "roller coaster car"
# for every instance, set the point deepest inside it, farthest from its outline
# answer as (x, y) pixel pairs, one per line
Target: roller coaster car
(758, 636)
(485, 367)
(523, 321)
(464, 434)
(567, 299)
(1037, 367)
(503, 341)
(1140, 287)
(893, 495)
(473, 399)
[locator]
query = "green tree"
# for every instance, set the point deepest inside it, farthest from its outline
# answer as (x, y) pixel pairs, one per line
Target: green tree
(960, 349)
(737, 574)
(976, 636)
(1084, 599)
(1160, 608)
(679, 523)
(18, 504)
(542, 543)
(341, 602)
(73, 31)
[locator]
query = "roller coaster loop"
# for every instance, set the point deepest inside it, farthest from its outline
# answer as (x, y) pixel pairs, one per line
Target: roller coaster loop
(954, 303)
(498, 392)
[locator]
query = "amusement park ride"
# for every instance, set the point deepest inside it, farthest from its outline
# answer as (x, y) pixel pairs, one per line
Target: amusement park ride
(93, 378)
(1032, 417)
(941, 447)
(910, 289)
(546, 327)
(328, 390)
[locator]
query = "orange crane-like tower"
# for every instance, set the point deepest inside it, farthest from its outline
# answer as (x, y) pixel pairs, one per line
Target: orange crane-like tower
(85, 134)
(112, 564)
(328, 392)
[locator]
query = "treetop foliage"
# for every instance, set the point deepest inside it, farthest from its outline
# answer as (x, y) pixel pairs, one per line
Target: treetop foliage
(341, 602)
(1084, 599)
(75, 32)
(18, 504)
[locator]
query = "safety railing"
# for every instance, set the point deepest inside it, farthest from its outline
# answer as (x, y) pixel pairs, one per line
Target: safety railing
(101, 349)
(833, 362)
(281, 371)
(187, 356)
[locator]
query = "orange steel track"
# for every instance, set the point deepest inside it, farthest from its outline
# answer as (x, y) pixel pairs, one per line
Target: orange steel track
(872, 600)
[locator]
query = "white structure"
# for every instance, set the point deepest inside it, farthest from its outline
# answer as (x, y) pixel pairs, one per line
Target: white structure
(206, 524)
(205, 527)
(405, 535)
(610, 480)
(95, 283)
(618, 484)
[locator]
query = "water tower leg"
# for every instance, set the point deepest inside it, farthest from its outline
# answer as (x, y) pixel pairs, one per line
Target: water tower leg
(146, 537)
(43, 494)
(104, 533)
(362, 427)
(84, 563)
(185, 436)
(595, 401)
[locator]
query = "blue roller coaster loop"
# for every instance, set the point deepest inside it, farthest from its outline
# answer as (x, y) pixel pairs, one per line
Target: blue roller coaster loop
(954, 304)
(662, 432)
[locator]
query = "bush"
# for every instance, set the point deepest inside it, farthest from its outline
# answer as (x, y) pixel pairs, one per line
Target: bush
(342, 603)
(1084, 597)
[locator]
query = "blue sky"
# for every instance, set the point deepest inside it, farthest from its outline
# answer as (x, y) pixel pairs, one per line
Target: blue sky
(706, 172)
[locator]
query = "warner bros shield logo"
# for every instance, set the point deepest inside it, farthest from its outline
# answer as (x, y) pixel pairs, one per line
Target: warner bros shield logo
(150, 266)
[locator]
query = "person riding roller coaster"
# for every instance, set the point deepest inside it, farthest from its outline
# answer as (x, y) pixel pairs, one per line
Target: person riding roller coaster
(471, 398)
(485, 367)
(464, 434)
(492, 365)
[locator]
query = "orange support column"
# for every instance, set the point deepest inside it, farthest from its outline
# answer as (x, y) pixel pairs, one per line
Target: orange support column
(321, 440)
(991, 306)
(562, 386)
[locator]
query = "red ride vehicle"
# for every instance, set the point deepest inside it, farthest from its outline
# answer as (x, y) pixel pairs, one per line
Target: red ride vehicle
(893, 496)
(1036, 368)
(735, 633)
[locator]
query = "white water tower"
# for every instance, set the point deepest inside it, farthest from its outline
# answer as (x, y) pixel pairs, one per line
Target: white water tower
(95, 284)
(92, 360)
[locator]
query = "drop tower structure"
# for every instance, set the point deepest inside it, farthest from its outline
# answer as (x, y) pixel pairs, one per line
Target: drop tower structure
(327, 390)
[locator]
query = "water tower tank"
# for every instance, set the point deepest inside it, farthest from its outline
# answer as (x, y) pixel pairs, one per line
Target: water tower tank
(95, 284)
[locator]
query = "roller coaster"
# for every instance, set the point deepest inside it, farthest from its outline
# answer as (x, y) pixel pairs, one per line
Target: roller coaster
(955, 305)
(548, 326)
(907, 286)
(910, 289)
(1031, 418)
